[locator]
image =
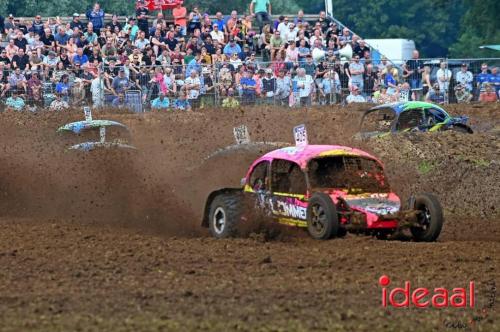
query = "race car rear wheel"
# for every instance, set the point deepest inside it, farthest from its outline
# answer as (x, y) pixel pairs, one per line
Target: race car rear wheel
(430, 218)
(322, 217)
(224, 215)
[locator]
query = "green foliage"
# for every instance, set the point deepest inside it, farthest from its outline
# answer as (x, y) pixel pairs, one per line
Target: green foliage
(480, 26)
(431, 24)
(439, 27)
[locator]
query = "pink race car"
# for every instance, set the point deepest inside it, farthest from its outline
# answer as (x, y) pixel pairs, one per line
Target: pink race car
(327, 189)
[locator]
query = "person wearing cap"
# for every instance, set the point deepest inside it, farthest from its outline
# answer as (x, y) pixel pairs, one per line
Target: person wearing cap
(63, 87)
(217, 34)
(436, 95)
(231, 48)
(120, 83)
(50, 60)
(462, 94)
(355, 96)
(465, 77)
(75, 22)
(269, 86)
(96, 16)
(248, 86)
(283, 88)
(131, 29)
(10, 24)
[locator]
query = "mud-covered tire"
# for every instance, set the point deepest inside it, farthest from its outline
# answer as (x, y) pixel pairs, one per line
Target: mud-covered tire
(431, 217)
(461, 129)
(224, 215)
(322, 217)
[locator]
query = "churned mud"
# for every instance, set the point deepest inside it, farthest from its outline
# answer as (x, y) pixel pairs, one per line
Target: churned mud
(112, 241)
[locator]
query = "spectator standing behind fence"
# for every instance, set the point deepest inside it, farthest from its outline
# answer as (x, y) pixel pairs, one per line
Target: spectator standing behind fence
(464, 77)
(412, 71)
(120, 83)
(305, 86)
(192, 86)
(261, 10)
(248, 86)
(443, 77)
(96, 17)
(357, 70)
(283, 88)
(269, 86)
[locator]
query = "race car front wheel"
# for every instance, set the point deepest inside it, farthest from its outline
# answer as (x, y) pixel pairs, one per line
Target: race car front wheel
(224, 215)
(430, 218)
(322, 218)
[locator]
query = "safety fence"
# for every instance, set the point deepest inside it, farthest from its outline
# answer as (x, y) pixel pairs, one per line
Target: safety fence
(231, 83)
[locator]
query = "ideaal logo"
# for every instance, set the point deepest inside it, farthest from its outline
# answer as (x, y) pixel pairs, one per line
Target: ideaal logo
(405, 297)
(421, 297)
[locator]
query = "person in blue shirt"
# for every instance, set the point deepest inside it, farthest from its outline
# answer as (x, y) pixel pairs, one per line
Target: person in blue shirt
(160, 103)
(182, 103)
(96, 16)
(248, 86)
(232, 47)
(80, 58)
(219, 20)
(194, 64)
(63, 87)
(61, 38)
(483, 77)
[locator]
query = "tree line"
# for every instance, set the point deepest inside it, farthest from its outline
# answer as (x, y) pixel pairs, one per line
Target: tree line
(453, 28)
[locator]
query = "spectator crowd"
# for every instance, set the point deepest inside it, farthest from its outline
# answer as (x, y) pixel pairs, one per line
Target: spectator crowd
(191, 60)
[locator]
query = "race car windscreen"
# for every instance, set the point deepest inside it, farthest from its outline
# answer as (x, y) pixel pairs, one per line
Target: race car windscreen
(356, 174)
(379, 121)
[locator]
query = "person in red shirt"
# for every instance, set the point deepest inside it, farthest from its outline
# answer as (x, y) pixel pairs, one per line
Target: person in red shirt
(180, 14)
(489, 95)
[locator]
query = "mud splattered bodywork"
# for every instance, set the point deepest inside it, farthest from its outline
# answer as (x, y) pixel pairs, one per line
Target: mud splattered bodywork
(390, 118)
(282, 183)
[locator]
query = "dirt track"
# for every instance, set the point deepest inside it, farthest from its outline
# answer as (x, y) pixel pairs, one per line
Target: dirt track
(112, 242)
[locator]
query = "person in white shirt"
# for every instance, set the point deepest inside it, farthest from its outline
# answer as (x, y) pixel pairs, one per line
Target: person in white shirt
(192, 85)
(443, 76)
(216, 34)
(305, 87)
(290, 35)
(465, 77)
(283, 28)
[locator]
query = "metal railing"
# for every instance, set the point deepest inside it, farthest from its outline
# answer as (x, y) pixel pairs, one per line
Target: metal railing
(235, 83)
